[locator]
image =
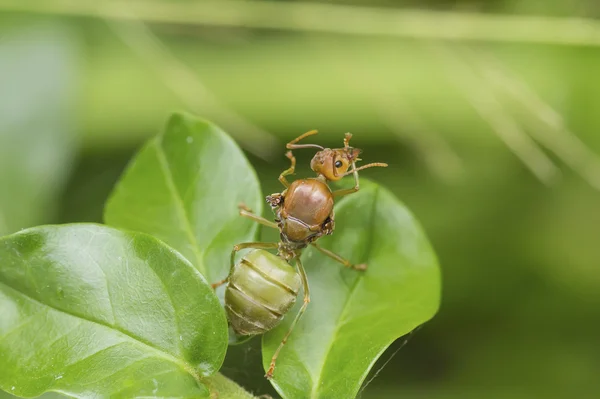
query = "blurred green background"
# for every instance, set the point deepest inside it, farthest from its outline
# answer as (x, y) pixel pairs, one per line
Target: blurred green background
(488, 113)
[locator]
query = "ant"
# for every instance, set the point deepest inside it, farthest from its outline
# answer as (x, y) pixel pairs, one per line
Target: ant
(262, 287)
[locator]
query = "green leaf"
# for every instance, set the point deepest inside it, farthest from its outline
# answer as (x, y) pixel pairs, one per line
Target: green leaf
(184, 187)
(36, 144)
(220, 386)
(227, 389)
(354, 316)
(49, 395)
(88, 310)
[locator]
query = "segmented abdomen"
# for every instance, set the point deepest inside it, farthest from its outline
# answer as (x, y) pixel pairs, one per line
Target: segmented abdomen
(261, 289)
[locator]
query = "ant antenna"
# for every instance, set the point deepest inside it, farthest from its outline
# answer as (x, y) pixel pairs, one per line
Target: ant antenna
(371, 165)
(354, 169)
(292, 144)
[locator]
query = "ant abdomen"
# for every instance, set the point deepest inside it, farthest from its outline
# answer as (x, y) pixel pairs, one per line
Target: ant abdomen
(262, 288)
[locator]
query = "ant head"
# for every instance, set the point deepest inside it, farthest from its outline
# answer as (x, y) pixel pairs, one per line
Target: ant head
(333, 164)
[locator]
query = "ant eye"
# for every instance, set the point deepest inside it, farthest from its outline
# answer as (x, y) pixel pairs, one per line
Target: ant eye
(338, 164)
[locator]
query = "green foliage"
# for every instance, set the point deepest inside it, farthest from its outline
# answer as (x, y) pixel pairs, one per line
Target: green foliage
(91, 309)
(191, 178)
(520, 275)
(36, 147)
(227, 389)
(354, 316)
(184, 187)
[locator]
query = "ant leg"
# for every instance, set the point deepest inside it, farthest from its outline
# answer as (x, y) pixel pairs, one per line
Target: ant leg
(338, 258)
(239, 247)
(269, 374)
(288, 171)
(247, 213)
(339, 193)
(347, 138)
(354, 172)
(219, 283)
(293, 146)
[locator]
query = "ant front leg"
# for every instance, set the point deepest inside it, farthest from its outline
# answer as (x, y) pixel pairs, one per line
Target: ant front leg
(236, 249)
(288, 171)
(354, 171)
(338, 258)
(292, 145)
(247, 213)
(302, 272)
(340, 193)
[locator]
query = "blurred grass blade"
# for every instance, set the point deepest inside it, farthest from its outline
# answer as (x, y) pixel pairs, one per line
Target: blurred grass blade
(399, 116)
(553, 132)
(335, 18)
(408, 126)
(188, 86)
(503, 124)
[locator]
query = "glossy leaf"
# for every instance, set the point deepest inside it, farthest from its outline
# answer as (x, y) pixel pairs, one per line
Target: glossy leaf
(354, 316)
(92, 311)
(184, 187)
(37, 71)
(49, 395)
(220, 387)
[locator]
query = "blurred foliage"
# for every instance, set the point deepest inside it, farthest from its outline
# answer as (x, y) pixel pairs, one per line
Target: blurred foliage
(37, 71)
(520, 260)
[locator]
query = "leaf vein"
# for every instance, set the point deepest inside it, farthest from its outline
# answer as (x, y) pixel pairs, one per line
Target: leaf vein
(131, 386)
(172, 303)
(124, 367)
(56, 339)
(20, 325)
(94, 354)
(110, 302)
(179, 205)
(188, 368)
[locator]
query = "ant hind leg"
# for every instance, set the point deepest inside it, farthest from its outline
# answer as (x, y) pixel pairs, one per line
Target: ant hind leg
(302, 272)
(338, 258)
(247, 213)
(219, 283)
(236, 249)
